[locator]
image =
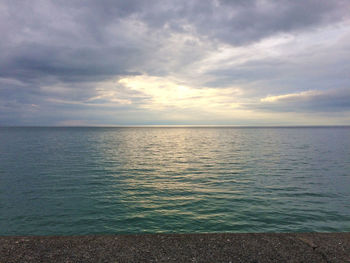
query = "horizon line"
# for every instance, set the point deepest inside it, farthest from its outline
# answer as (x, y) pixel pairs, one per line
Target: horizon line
(174, 126)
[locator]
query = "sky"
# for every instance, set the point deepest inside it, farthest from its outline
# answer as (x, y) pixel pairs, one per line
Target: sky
(179, 62)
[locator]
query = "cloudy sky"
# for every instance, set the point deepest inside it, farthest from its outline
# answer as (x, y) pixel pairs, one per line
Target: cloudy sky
(183, 62)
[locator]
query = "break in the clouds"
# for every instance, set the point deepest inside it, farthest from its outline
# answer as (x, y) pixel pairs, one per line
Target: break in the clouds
(243, 62)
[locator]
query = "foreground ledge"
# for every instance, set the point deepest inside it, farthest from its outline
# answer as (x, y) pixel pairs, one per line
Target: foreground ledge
(301, 247)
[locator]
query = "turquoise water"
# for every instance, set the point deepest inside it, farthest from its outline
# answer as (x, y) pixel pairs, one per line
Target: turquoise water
(64, 181)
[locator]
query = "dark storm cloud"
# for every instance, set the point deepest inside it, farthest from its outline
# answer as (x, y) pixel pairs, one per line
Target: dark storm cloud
(77, 39)
(30, 62)
(253, 20)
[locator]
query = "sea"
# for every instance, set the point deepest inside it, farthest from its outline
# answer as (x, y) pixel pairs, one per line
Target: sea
(121, 180)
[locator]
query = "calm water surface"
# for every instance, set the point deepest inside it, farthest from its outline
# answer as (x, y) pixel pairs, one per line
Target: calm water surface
(63, 181)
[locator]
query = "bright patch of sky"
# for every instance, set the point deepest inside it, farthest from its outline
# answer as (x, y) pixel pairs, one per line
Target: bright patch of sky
(175, 62)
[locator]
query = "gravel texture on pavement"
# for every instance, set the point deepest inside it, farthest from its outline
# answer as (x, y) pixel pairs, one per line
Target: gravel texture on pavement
(225, 247)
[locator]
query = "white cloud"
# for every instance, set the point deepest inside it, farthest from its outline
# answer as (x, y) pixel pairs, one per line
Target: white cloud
(292, 96)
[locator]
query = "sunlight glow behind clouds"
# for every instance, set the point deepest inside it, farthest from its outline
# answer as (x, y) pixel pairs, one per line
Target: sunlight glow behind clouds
(165, 93)
(194, 62)
(293, 96)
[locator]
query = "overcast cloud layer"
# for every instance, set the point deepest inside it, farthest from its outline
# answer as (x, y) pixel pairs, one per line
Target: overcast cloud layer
(135, 62)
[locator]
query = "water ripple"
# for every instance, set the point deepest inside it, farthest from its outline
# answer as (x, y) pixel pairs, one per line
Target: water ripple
(155, 180)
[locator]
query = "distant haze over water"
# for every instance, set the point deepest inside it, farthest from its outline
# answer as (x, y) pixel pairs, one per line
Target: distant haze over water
(65, 181)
